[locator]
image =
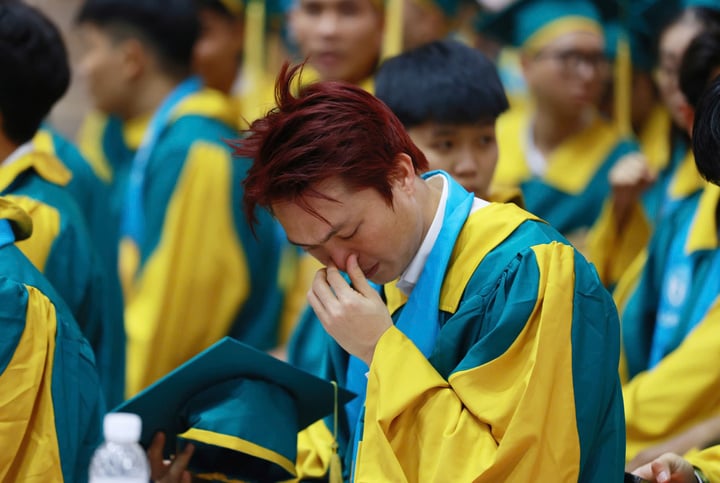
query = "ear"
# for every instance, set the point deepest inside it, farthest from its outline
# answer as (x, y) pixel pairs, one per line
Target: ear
(238, 31)
(135, 59)
(688, 114)
(404, 173)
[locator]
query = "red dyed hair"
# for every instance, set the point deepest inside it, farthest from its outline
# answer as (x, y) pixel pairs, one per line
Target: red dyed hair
(331, 129)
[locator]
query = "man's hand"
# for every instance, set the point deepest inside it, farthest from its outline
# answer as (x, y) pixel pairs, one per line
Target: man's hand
(668, 468)
(629, 178)
(356, 317)
(163, 471)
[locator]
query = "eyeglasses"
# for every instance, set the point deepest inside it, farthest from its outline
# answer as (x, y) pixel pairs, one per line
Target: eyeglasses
(570, 61)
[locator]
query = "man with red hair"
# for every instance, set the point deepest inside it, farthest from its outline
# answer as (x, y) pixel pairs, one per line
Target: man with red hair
(482, 346)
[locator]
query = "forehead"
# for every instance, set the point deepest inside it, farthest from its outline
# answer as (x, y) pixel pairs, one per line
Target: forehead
(581, 40)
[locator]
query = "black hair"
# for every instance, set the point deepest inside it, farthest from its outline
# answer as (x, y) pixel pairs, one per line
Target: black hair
(700, 61)
(168, 27)
(444, 82)
(34, 66)
(706, 133)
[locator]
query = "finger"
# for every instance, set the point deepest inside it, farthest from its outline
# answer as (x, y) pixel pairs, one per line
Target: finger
(660, 470)
(360, 283)
(339, 285)
(317, 307)
(324, 293)
(644, 472)
(180, 463)
(155, 456)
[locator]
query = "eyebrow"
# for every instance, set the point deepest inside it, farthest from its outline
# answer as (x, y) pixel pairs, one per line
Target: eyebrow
(327, 237)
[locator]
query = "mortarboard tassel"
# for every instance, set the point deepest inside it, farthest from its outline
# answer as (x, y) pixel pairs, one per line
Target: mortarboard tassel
(335, 473)
(393, 36)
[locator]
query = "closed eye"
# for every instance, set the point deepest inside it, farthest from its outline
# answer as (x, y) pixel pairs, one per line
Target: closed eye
(347, 237)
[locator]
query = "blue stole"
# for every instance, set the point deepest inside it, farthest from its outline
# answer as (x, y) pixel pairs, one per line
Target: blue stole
(6, 233)
(419, 318)
(133, 216)
(688, 291)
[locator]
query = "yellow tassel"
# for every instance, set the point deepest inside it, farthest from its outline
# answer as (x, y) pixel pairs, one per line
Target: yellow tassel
(393, 35)
(623, 86)
(335, 471)
(254, 56)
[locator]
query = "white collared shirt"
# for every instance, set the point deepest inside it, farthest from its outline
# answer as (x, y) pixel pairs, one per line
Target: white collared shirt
(409, 278)
(21, 151)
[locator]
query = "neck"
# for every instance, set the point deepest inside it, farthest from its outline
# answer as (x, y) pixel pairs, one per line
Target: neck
(550, 129)
(148, 94)
(7, 147)
(432, 192)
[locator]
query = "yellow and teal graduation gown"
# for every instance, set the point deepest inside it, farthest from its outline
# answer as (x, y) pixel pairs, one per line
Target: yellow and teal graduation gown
(62, 249)
(670, 328)
(570, 194)
(507, 373)
(51, 404)
(191, 268)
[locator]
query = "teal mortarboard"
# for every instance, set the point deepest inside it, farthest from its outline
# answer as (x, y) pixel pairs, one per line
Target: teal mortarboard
(531, 24)
(711, 4)
(239, 407)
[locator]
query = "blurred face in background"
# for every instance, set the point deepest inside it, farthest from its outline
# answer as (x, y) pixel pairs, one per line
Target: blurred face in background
(469, 152)
(568, 74)
(341, 38)
(423, 23)
(107, 67)
(673, 43)
(218, 50)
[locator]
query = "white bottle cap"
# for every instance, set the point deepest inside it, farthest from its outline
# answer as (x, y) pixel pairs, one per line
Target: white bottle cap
(122, 427)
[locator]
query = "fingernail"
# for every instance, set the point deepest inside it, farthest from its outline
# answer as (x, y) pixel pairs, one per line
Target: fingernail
(663, 476)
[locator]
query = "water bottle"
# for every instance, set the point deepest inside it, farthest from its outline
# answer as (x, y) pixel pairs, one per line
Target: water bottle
(120, 459)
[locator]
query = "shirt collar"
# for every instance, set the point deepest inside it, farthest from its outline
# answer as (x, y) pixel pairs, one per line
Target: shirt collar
(410, 276)
(21, 151)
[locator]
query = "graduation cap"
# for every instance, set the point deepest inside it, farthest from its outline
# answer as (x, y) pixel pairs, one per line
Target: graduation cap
(531, 24)
(241, 409)
(711, 4)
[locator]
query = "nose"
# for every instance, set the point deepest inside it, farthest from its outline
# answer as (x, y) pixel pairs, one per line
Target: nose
(466, 164)
(328, 24)
(332, 253)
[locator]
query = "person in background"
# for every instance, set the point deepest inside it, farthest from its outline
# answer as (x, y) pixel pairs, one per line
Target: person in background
(37, 74)
(558, 149)
(191, 267)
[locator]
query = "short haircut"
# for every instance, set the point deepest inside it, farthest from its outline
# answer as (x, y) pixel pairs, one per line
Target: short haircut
(706, 133)
(34, 66)
(444, 82)
(330, 129)
(168, 27)
(699, 63)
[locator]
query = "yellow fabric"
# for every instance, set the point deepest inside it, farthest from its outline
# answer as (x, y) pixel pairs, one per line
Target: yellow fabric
(29, 441)
(206, 103)
(565, 171)
(703, 233)
(654, 138)
(622, 97)
(134, 129)
(392, 44)
(477, 412)
(296, 295)
(90, 139)
(561, 26)
(315, 451)
(679, 393)
(165, 325)
(612, 250)
(686, 179)
(20, 221)
(46, 220)
(239, 445)
(46, 165)
(254, 103)
(708, 460)
(499, 221)
(43, 142)
(310, 75)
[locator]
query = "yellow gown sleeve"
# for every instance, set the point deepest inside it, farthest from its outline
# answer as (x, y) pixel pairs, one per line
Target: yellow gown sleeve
(708, 461)
(680, 392)
(189, 290)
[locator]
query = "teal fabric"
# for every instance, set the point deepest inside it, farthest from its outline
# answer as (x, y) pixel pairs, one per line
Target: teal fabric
(639, 317)
(494, 309)
(568, 212)
(258, 321)
(75, 270)
(78, 402)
